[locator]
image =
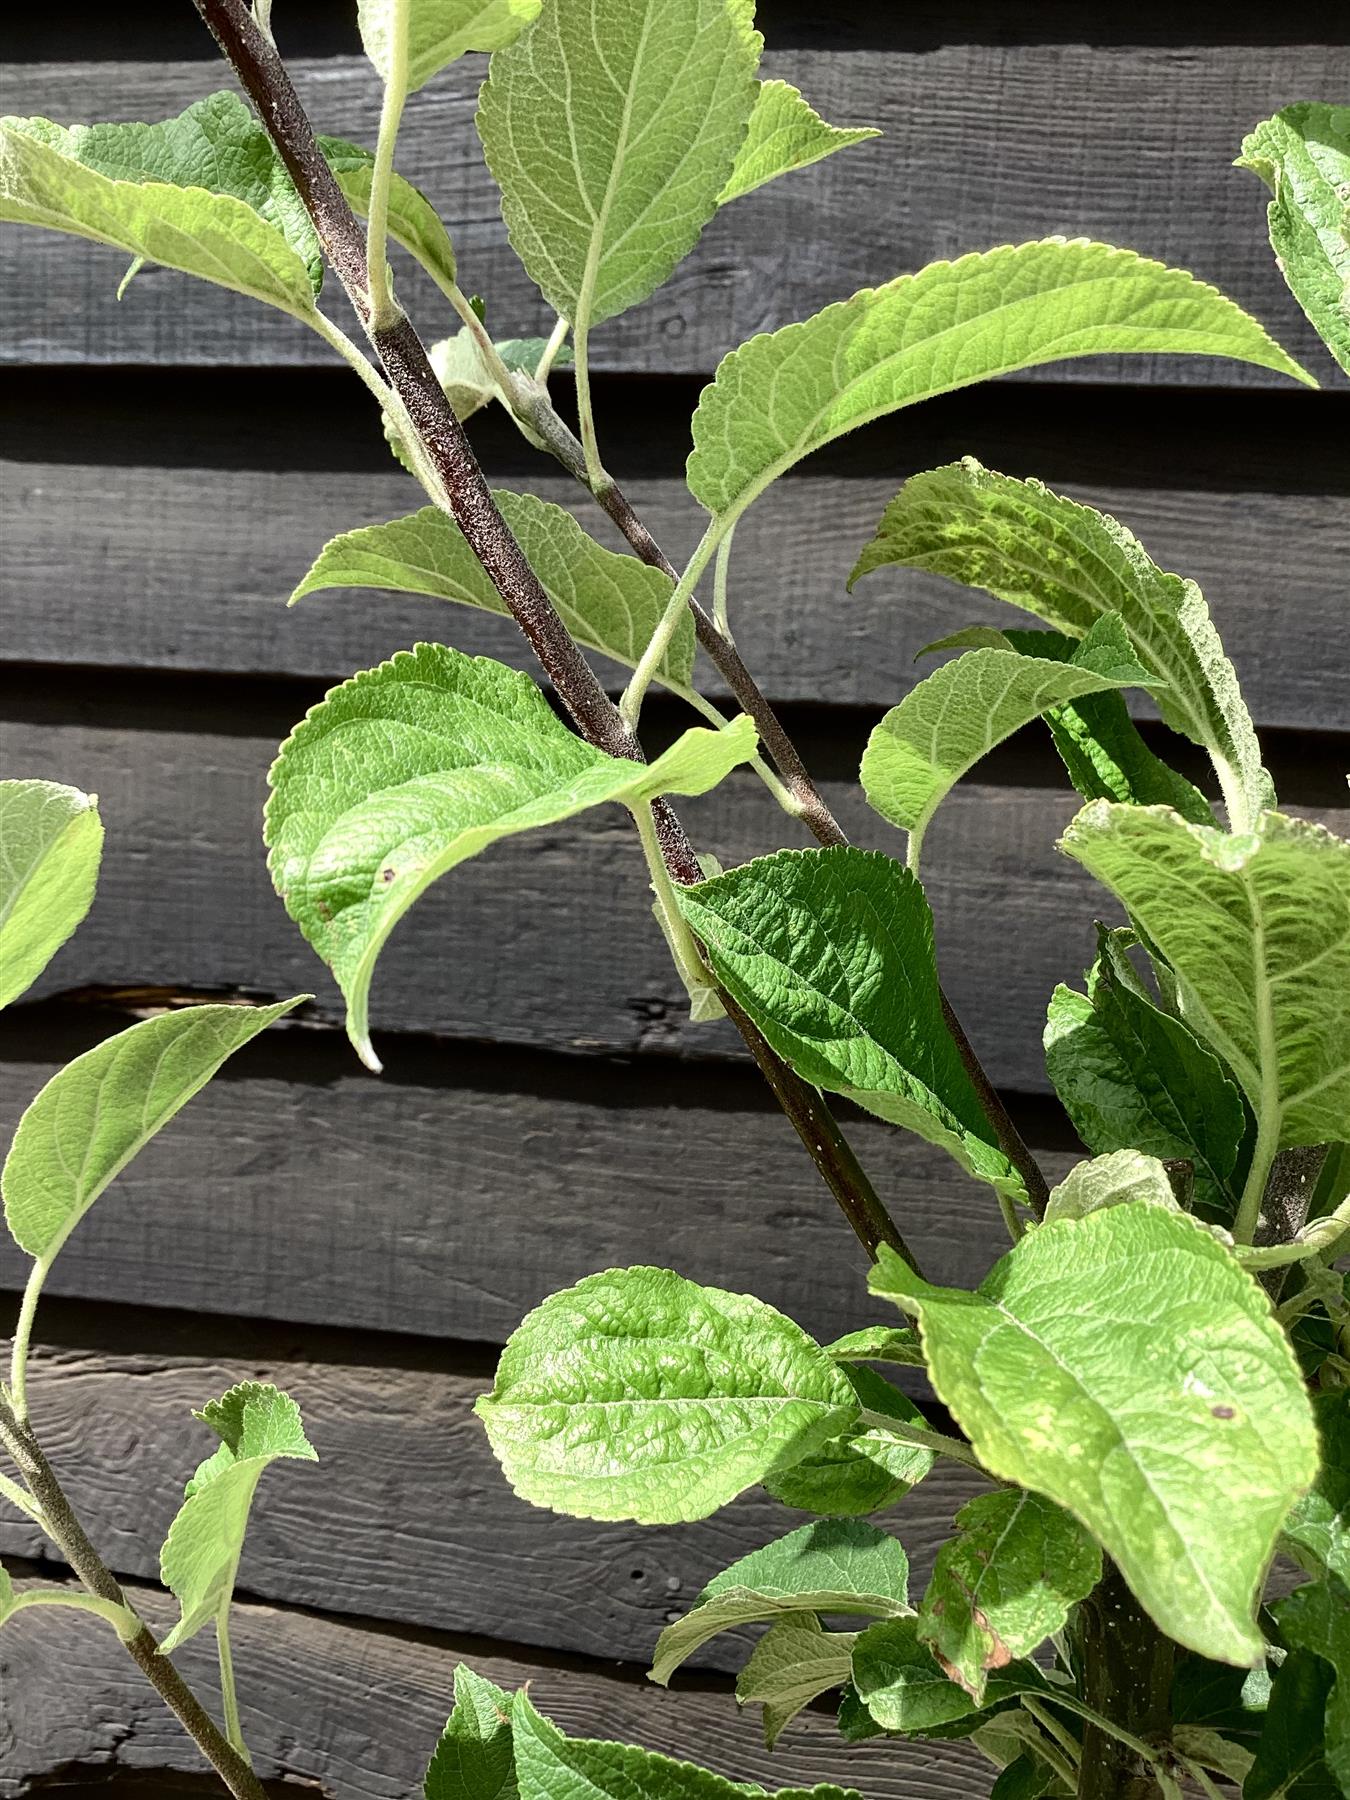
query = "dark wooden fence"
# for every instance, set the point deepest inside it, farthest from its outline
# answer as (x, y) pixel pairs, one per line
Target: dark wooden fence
(172, 463)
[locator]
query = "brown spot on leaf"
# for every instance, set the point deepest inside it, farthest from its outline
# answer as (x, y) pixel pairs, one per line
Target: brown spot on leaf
(388, 874)
(1223, 1412)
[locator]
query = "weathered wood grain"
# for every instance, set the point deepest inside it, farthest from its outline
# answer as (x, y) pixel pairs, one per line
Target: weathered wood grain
(354, 1711)
(173, 568)
(407, 1516)
(983, 145)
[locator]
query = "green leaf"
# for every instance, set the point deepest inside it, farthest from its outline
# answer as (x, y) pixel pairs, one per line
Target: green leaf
(640, 1395)
(831, 953)
(1316, 1619)
(1132, 1076)
(901, 1684)
(1005, 1584)
(469, 385)
(879, 1343)
(1224, 1699)
(1256, 928)
(1213, 1751)
(1290, 1757)
(786, 133)
(440, 31)
(51, 840)
(1317, 1532)
(1303, 156)
(257, 1424)
(205, 193)
(413, 220)
(410, 768)
(1026, 1777)
(474, 1759)
(610, 603)
(863, 1469)
(1122, 1178)
(96, 1113)
(795, 1662)
(1070, 565)
(832, 1566)
(942, 727)
(1200, 1395)
(788, 392)
(611, 131)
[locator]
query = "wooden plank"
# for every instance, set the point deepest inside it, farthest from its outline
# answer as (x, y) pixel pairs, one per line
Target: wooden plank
(175, 568)
(356, 1711)
(418, 1523)
(983, 145)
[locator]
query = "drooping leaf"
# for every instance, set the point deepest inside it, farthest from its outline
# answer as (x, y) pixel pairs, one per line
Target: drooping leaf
(205, 192)
(474, 1759)
(1214, 1751)
(832, 1566)
(1122, 1178)
(942, 727)
(96, 1113)
(1317, 1532)
(879, 1343)
(831, 953)
(903, 1687)
(1256, 928)
(257, 1424)
(785, 133)
(51, 840)
(413, 220)
(863, 1469)
(788, 392)
(1004, 1584)
(1069, 565)
(794, 1663)
(610, 603)
(1303, 156)
(640, 1395)
(1290, 1761)
(1316, 1619)
(1200, 1395)
(611, 131)
(440, 31)
(410, 768)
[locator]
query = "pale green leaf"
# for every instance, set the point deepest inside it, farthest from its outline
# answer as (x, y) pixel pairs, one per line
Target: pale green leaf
(1004, 1584)
(1213, 1751)
(1069, 565)
(1317, 1531)
(257, 1424)
(794, 1663)
(410, 768)
(413, 220)
(1122, 1178)
(831, 953)
(609, 602)
(474, 1759)
(96, 1113)
(832, 1566)
(1303, 156)
(6, 1594)
(51, 840)
(788, 392)
(1316, 1619)
(942, 727)
(1200, 1395)
(205, 193)
(611, 128)
(440, 31)
(469, 385)
(903, 1687)
(863, 1469)
(879, 1343)
(1256, 929)
(640, 1395)
(785, 133)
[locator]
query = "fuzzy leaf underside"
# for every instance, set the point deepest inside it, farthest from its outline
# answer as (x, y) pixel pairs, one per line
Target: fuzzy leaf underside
(1121, 1178)
(51, 841)
(794, 1663)
(413, 220)
(441, 31)
(786, 133)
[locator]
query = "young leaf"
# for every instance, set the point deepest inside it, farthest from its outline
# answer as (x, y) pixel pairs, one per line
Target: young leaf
(611, 131)
(867, 1024)
(205, 193)
(788, 392)
(903, 1687)
(795, 1662)
(1303, 156)
(96, 1113)
(1256, 928)
(412, 767)
(1070, 565)
(200, 1559)
(474, 1759)
(879, 1343)
(413, 220)
(610, 603)
(942, 727)
(468, 383)
(1316, 1619)
(832, 1566)
(785, 133)
(51, 840)
(1123, 1178)
(640, 1395)
(440, 31)
(1200, 1395)
(1005, 1584)
(865, 1468)
(1317, 1532)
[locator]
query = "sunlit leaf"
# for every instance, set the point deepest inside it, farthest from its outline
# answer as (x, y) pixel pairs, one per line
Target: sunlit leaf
(51, 840)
